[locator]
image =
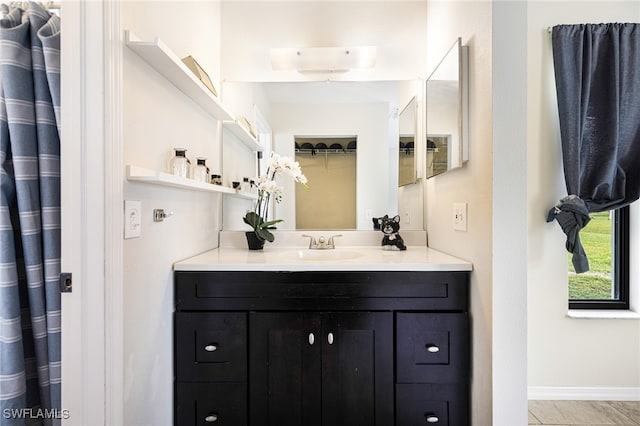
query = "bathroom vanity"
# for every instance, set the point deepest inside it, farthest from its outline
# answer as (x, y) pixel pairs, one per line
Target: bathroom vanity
(271, 338)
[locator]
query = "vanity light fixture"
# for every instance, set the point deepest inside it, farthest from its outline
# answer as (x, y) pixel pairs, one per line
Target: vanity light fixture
(323, 59)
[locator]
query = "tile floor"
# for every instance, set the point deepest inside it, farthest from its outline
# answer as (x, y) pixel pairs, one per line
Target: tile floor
(591, 413)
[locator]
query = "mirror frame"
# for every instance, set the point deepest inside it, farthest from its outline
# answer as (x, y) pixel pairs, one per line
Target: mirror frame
(461, 52)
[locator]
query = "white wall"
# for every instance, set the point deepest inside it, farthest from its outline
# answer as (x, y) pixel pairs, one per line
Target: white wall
(156, 118)
(472, 21)
(565, 353)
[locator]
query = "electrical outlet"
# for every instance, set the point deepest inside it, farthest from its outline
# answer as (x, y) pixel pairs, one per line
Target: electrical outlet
(132, 219)
(460, 216)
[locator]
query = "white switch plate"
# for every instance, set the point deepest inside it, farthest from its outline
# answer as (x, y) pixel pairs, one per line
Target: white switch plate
(132, 219)
(460, 216)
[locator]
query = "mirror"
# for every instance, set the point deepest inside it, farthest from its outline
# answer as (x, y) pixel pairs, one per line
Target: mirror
(447, 113)
(364, 110)
(407, 136)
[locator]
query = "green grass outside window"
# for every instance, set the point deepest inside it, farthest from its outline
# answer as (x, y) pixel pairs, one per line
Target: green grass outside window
(596, 239)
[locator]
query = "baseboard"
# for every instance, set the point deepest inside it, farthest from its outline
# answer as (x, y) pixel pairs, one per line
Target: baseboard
(584, 393)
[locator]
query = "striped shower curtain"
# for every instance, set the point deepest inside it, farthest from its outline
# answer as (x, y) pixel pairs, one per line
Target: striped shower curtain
(29, 216)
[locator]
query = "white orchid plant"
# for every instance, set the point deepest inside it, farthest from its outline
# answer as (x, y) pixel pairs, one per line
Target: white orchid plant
(268, 189)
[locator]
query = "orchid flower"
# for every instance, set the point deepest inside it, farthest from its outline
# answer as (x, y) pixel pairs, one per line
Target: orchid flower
(267, 188)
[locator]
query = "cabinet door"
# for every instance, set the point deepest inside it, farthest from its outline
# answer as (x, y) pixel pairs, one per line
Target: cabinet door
(357, 369)
(284, 362)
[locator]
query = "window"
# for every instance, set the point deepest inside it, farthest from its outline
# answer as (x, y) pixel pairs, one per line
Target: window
(606, 242)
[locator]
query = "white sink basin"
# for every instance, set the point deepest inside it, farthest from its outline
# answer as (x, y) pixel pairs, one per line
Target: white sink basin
(323, 255)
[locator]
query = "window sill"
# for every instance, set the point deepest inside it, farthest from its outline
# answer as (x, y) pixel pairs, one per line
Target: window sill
(602, 314)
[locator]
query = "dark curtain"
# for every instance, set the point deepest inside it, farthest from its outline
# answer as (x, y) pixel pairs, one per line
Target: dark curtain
(597, 70)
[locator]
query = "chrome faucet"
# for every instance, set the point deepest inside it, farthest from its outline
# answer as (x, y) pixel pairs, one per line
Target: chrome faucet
(321, 244)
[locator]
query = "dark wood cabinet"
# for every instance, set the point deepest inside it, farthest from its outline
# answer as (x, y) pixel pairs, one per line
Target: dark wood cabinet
(321, 348)
(316, 369)
(432, 376)
(285, 369)
(211, 404)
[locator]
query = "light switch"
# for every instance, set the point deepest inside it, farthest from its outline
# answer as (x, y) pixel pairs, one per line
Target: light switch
(132, 219)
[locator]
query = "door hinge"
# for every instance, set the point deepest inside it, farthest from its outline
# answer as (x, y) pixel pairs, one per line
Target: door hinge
(66, 283)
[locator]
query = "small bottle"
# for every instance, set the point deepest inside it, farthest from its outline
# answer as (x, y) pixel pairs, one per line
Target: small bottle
(216, 179)
(179, 164)
(200, 170)
(246, 186)
(254, 187)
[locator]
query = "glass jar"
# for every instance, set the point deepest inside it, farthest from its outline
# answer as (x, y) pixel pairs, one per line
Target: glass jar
(245, 186)
(179, 164)
(200, 171)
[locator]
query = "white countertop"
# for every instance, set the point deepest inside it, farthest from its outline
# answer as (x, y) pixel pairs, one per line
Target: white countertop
(353, 258)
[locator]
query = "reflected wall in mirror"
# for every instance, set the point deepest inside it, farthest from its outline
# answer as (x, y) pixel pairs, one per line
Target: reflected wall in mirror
(329, 163)
(407, 136)
(447, 112)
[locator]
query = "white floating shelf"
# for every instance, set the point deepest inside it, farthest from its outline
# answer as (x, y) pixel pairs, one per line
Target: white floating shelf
(243, 134)
(140, 174)
(163, 60)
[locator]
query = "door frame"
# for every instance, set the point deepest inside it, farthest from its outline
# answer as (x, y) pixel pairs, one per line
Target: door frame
(91, 214)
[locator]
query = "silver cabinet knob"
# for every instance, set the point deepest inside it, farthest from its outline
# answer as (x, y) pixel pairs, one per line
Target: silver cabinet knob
(431, 418)
(211, 348)
(211, 418)
(312, 338)
(432, 348)
(330, 338)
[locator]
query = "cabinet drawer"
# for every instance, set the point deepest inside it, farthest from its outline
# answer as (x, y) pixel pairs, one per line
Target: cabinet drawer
(211, 346)
(321, 290)
(432, 348)
(223, 404)
(432, 404)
